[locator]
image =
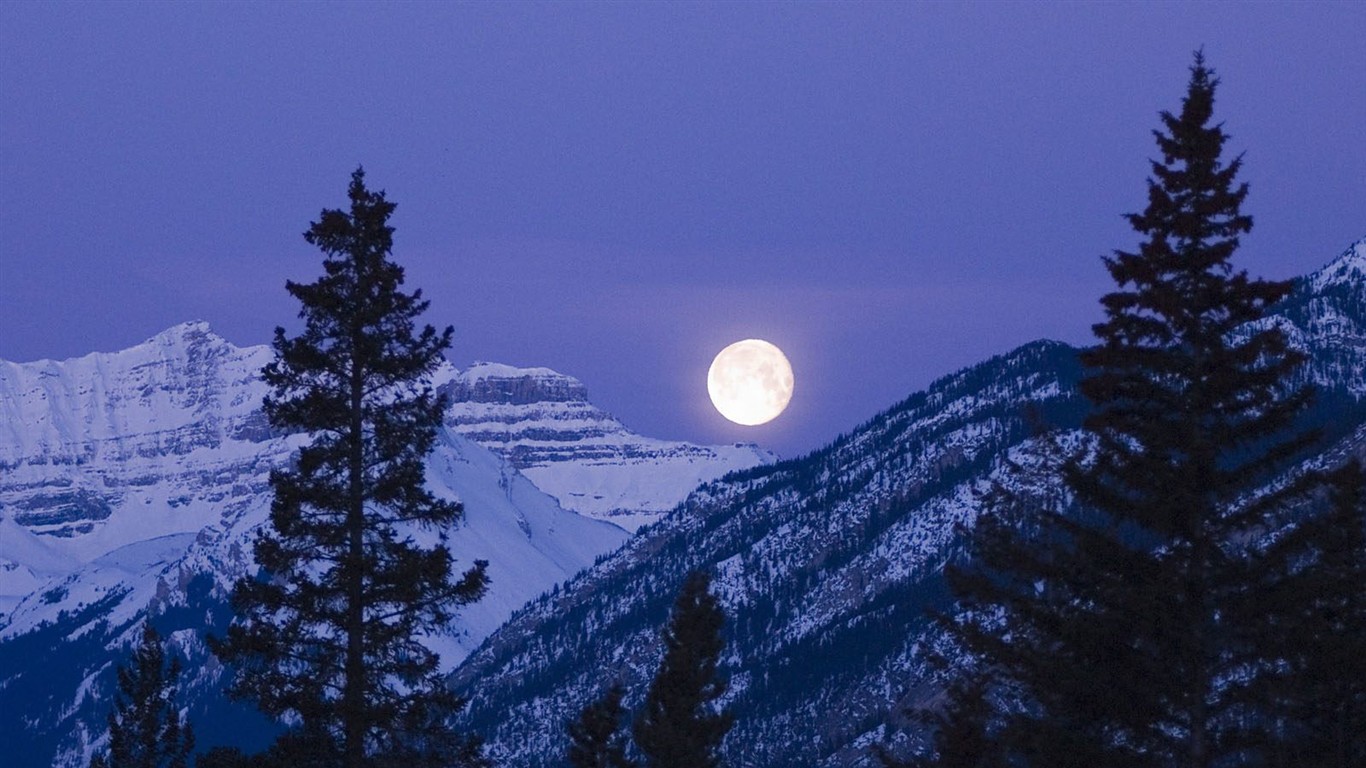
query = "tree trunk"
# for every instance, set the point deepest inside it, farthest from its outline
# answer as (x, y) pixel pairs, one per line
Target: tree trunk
(354, 695)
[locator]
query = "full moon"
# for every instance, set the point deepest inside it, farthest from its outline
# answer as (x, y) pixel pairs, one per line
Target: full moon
(750, 382)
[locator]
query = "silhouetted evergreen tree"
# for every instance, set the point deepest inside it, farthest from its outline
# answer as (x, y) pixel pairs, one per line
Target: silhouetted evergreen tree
(596, 739)
(1111, 628)
(679, 726)
(329, 631)
(145, 728)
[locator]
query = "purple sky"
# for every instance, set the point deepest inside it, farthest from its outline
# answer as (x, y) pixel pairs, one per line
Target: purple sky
(886, 191)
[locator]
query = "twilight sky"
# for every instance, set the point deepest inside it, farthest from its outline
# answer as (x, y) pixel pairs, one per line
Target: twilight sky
(886, 191)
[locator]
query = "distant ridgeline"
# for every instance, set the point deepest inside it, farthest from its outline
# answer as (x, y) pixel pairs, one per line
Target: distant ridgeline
(130, 484)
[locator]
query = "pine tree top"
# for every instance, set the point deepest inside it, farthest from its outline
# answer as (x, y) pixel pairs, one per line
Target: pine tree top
(679, 726)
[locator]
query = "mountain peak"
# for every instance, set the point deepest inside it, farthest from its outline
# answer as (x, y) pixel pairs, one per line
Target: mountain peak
(188, 328)
(1348, 267)
(488, 370)
(179, 335)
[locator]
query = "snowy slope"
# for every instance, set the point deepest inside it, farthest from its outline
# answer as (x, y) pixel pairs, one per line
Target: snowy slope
(544, 424)
(820, 563)
(26, 562)
(167, 437)
(530, 542)
(1349, 268)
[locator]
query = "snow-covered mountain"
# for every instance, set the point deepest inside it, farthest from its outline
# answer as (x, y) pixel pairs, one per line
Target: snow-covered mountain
(827, 565)
(168, 437)
(544, 424)
(131, 484)
(165, 442)
(106, 450)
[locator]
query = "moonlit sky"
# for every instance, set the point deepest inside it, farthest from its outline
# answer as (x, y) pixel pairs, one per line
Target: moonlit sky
(887, 191)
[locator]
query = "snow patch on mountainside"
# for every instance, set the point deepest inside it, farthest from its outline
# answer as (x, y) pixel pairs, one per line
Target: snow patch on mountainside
(26, 562)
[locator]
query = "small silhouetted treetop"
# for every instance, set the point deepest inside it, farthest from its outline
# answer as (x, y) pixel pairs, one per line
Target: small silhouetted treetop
(145, 728)
(1180, 393)
(679, 726)
(329, 632)
(596, 738)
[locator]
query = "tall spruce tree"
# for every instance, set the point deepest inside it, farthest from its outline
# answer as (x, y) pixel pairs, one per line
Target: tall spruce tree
(595, 738)
(1111, 628)
(145, 728)
(329, 631)
(679, 726)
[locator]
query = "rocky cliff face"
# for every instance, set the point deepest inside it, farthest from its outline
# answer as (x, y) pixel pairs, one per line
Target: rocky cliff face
(543, 423)
(507, 385)
(109, 449)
